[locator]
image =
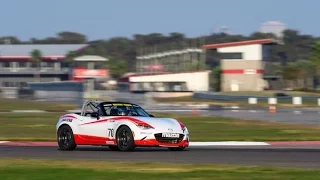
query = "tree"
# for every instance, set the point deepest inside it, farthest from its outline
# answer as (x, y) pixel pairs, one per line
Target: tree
(291, 72)
(71, 63)
(89, 51)
(72, 37)
(315, 59)
(9, 40)
(36, 58)
(117, 67)
(215, 79)
(259, 35)
(306, 69)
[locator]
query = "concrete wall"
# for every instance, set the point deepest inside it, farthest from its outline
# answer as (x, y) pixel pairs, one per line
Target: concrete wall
(241, 64)
(242, 82)
(66, 92)
(195, 81)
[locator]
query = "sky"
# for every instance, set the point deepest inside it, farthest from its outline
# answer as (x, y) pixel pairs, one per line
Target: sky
(104, 19)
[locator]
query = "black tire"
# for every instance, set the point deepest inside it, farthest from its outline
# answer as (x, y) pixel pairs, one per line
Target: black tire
(66, 139)
(114, 148)
(124, 137)
(176, 148)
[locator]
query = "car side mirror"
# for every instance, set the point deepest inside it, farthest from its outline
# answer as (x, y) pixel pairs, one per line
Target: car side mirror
(151, 115)
(95, 115)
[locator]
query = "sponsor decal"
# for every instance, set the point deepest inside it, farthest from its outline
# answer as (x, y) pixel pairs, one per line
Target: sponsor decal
(145, 132)
(67, 120)
(122, 104)
(170, 135)
(109, 142)
(110, 132)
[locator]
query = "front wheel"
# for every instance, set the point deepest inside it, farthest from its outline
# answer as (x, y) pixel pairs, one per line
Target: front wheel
(125, 141)
(65, 138)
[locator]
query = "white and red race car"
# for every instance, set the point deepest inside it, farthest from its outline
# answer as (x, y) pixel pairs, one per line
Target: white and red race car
(120, 126)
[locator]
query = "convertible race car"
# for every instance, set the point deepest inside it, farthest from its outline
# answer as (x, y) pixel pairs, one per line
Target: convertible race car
(120, 126)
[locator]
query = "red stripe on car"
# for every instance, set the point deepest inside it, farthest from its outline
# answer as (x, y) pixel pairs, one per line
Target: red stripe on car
(136, 121)
(67, 116)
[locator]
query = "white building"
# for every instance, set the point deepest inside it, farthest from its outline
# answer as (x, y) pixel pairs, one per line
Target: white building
(245, 65)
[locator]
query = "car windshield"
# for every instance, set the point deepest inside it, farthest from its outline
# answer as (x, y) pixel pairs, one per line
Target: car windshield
(124, 109)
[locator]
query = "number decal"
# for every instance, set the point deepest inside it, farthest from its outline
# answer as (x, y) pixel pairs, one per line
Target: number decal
(110, 132)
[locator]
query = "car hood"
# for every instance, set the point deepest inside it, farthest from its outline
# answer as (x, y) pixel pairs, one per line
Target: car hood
(161, 123)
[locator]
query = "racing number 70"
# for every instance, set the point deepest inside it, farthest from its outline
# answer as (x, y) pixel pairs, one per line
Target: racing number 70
(110, 132)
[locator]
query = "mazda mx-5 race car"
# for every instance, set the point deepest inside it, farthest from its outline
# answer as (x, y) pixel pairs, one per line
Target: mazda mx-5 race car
(120, 126)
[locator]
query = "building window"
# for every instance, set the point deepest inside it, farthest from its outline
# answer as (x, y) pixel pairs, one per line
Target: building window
(230, 55)
(8, 84)
(265, 52)
(23, 84)
(6, 64)
(22, 64)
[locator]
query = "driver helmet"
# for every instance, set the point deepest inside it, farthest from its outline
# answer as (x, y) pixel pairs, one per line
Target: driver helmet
(121, 112)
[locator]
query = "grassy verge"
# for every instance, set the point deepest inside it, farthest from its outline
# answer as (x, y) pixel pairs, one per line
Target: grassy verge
(91, 170)
(18, 104)
(41, 127)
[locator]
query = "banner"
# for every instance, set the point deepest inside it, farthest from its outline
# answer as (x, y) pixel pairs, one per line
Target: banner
(90, 73)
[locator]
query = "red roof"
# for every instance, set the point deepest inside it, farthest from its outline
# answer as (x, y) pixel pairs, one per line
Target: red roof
(240, 43)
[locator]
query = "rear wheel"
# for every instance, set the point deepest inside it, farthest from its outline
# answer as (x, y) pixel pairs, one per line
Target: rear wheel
(65, 138)
(176, 148)
(125, 141)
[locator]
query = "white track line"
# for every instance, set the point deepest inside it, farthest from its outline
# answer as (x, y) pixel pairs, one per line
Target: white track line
(28, 111)
(222, 143)
(228, 143)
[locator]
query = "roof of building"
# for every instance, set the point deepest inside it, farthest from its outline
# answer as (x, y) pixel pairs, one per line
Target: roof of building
(49, 51)
(241, 43)
(90, 58)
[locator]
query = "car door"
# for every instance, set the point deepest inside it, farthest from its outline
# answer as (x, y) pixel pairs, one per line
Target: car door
(95, 130)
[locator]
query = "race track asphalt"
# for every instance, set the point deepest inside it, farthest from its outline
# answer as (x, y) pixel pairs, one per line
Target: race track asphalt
(307, 157)
(301, 157)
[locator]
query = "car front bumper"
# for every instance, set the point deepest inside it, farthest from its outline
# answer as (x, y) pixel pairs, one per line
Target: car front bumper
(157, 140)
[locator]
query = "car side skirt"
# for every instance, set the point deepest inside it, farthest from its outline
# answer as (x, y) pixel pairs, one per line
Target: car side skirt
(99, 141)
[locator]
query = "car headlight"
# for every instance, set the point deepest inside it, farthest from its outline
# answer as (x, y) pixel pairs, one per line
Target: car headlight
(144, 126)
(183, 127)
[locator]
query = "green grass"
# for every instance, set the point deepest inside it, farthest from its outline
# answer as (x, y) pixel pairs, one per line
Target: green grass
(18, 104)
(23, 169)
(41, 127)
(28, 126)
